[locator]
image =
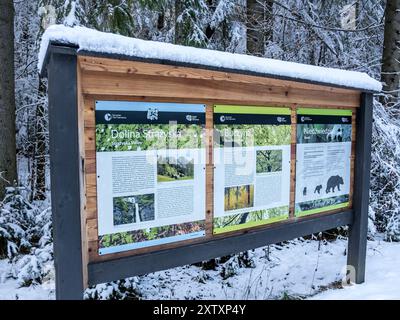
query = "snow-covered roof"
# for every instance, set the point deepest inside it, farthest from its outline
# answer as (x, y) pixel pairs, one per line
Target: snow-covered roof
(90, 40)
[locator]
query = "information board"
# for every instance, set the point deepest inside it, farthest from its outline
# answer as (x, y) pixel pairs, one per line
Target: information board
(150, 162)
(323, 155)
(252, 166)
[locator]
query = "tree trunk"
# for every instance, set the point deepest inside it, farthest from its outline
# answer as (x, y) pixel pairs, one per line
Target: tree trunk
(268, 21)
(40, 148)
(259, 23)
(179, 27)
(390, 74)
(255, 35)
(8, 161)
(160, 21)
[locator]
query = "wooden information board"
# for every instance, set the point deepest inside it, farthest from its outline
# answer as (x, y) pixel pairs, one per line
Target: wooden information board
(143, 182)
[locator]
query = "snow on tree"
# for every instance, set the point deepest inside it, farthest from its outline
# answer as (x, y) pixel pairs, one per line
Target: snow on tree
(385, 174)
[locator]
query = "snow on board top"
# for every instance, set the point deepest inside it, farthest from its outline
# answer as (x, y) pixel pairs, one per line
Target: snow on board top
(107, 43)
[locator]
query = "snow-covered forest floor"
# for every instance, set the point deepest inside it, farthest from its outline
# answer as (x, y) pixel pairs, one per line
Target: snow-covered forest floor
(301, 269)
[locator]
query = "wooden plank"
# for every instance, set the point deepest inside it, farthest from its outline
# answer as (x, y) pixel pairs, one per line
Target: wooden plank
(151, 86)
(90, 139)
(91, 185)
(91, 154)
(90, 164)
(91, 207)
(92, 251)
(353, 156)
(209, 171)
(89, 116)
(133, 68)
(90, 178)
(92, 231)
(293, 160)
(81, 134)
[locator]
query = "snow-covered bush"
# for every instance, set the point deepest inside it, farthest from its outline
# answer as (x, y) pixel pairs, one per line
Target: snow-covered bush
(32, 268)
(125, 289)
(385, 172)
(18, 230)
(237, 261)
(25, 237)
(202, 277)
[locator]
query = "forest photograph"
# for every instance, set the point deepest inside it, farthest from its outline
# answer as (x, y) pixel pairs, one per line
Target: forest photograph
(268, 161)
(238, 197)
(58, 57)
(320, 205)
(245, 135)
(173, 168)
(137, 137)
(249, 219)
(133, 209)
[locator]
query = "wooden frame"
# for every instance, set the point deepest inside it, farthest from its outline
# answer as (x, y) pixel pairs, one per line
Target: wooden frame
(93, 70)
(99, 78)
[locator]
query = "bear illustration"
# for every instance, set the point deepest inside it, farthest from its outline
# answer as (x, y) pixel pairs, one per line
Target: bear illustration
(305, 191)
(333, 182)
(318, 189)
(336, 134)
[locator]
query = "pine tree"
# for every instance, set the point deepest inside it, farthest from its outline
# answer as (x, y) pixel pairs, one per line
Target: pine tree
(109, 15)
(226, 29)
(191, 16)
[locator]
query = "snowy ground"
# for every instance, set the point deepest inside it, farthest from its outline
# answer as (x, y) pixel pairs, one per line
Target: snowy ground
(299, 269)
(382, 276)
(9, 289)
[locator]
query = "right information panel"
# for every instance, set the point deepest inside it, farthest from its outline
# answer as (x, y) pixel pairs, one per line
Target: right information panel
(323, 155)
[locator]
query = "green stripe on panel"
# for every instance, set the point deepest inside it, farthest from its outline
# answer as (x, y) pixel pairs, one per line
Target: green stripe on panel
(251, 109)
(324, 112)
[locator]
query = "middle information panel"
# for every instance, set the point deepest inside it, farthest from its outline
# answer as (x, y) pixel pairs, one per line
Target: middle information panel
(252, 166)
(150, 161)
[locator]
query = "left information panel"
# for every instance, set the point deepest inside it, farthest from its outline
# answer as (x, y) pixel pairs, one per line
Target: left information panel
(150, 162)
